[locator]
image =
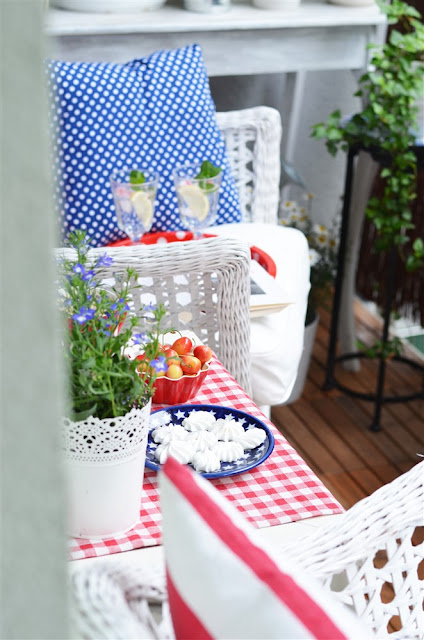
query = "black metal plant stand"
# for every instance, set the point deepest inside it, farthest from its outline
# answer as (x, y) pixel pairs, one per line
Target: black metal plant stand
(331, 382)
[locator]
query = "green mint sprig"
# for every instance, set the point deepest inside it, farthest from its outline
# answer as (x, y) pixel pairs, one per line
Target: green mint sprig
(137, 177)
(207, 171)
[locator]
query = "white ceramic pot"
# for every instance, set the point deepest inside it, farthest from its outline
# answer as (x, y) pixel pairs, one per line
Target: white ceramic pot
(105, 467)
(352, 3)
(108, 6)
(302, 372)
(276, 4)
(207, 6)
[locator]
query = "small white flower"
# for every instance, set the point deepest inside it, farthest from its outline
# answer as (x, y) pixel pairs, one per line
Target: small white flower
(321, 240)
(314, 257)
(320, 230)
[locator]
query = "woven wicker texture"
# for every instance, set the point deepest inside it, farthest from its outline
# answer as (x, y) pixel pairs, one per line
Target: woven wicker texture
(370, 547)
(120, 602)
(252, 139)
(204, 286)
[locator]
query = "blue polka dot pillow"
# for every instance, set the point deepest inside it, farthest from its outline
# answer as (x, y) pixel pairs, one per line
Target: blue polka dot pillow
(152, 113)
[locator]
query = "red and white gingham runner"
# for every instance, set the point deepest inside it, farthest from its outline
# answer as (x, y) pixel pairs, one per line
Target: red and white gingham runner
(282, 489)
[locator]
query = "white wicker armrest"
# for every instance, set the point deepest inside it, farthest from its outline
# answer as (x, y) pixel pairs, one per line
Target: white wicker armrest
(371, 546)
(253, 138)
(204, 286)
(120, 601)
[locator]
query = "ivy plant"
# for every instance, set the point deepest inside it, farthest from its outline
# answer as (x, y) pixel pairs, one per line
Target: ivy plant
(389, 90)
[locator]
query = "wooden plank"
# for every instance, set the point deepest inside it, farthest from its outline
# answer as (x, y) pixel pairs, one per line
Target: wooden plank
(324, 431)
(391, 450)
(346, 487)
(330, 429)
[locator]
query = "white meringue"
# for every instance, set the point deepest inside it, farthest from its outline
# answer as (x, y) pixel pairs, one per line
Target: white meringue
(182, 450)
(202, 440)
(199, 421)
(169, 432)
(206, 461)
(228, 430)
(252, 438)
(228, 451)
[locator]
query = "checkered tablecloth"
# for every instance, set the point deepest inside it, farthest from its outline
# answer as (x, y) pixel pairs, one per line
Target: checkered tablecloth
(282, 489)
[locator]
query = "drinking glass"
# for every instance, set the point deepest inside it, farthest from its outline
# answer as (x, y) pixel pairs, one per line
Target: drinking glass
(197, 197)
(134, 202)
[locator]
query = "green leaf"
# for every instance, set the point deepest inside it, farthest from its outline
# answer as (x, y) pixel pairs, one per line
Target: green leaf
(82, 415)
(137, 177)
(208, 170)
(418, 247)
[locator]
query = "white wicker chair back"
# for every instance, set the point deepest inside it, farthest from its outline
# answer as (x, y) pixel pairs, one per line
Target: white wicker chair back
(253, 138)
(373, 557)
(204, 286)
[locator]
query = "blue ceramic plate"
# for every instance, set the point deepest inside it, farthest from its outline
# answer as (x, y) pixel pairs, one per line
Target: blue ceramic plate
(176, 414)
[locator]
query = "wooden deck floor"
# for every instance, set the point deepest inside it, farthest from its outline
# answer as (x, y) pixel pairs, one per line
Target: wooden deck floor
(330, 430)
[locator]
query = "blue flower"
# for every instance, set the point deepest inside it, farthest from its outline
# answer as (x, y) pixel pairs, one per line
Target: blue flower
(159, 364)
(120, 302)
(83, 315)
(104, 261)
(86, 276)
(80, 269)
(140, 338)
(150, 307)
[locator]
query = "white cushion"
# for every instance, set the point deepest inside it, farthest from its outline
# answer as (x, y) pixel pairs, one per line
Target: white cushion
(277, 339)
(222, 583)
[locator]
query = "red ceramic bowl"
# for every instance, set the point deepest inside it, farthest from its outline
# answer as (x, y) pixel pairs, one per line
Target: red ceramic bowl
(179, 391)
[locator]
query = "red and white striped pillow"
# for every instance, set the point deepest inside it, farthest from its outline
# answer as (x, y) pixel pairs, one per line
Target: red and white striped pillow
(222, 584)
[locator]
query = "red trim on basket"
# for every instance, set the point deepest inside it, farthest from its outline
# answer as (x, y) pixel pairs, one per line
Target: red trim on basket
(291, 594)
(187, 625)
(257, 254)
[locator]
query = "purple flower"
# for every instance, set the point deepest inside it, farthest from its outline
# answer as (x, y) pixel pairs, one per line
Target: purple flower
(83, 315)
(159, 364)
(104, 261)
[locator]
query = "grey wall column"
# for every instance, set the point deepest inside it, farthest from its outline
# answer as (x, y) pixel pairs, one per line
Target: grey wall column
(32, 545)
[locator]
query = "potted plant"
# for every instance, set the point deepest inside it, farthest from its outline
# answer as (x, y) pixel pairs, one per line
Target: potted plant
(106, 429)
(386, 127)
(323, 259)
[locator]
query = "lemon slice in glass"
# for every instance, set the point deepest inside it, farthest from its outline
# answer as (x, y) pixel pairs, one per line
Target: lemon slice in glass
(143, 207)
(196, 200)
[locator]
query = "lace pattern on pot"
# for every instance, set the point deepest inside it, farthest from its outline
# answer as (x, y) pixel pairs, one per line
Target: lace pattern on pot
(108, 440)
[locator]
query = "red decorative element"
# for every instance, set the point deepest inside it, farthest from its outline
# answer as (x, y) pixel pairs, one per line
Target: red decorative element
(164, 237)
(178, 391)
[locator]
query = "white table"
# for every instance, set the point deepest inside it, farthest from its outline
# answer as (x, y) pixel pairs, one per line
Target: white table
(245, 40)
(272, 537)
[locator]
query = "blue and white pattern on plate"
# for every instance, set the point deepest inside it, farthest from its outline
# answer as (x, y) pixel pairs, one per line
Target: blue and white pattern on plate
(152, 113)
(176, 414)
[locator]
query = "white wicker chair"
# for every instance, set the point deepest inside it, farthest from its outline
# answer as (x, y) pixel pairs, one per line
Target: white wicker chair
(252, 139)
(372, 546)
(204, 286)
